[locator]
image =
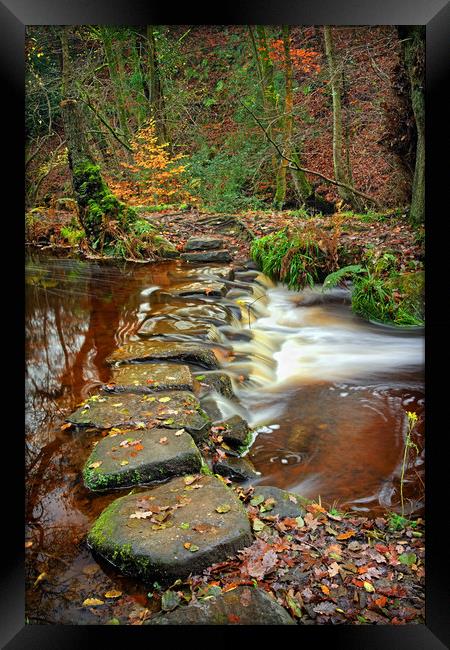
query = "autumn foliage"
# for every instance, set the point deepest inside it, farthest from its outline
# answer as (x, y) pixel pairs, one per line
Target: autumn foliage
(154, 176)
(303, 60)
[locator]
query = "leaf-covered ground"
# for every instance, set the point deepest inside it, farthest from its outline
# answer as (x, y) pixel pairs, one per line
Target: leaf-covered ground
(324, 567)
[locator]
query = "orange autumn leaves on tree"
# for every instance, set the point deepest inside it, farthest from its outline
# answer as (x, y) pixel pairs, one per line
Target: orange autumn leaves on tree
(155, 176)
(303, 60)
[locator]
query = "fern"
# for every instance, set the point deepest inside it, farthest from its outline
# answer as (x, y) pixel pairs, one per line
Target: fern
(334, 278)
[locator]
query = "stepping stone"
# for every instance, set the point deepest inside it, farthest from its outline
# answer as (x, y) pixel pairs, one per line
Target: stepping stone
(216, 314)
(148, 350)
(224, 273)
(287, 504)
(175, 410)
(203, 244)
(247, 276)
(212, 289)
(207, 256)
(172, 530)
(142, 456)
(237, 432)
(215, 381)
(150, 377)
(240, 606)
(182, 329)
(236, 469)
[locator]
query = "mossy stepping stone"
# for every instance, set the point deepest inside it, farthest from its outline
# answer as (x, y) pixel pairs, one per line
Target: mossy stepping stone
(203, 243)
(150, 377)
(207, 256)
(171, 328)
(142, 456)
(172, 530)
(283, 503)
(212, 289)
(241, 606)
(148, 350)
(174, 410)
(209, 312)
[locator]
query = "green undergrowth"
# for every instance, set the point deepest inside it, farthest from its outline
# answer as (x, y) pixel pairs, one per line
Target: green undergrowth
(381, 290)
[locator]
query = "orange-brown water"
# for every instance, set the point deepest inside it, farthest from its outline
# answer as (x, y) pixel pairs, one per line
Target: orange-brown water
(326, 392)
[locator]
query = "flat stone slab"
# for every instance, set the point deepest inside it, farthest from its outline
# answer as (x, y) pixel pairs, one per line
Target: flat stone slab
(209, 288)
(173, 410)
(148, 350)
(142, 456)
(236, 469)
(284, 503)
(241, 606)
(150, 377)
(222, 272)
(207, 256)
(172, 530)
(236, 432)
(209, 312)
(171, 328)
(203, 243)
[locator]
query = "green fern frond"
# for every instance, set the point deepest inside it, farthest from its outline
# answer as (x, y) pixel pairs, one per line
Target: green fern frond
(334, 278)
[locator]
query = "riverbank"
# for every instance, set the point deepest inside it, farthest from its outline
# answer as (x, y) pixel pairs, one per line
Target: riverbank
(306, 561)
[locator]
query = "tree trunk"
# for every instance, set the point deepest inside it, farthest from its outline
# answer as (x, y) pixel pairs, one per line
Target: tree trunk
(116, 74)
(280, 194)
(342, 170)
(156, 96)
(413, 51)
(97, 206)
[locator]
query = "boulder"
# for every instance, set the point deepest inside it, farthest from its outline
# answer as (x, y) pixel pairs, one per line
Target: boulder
(203, 244)
(215, 381)
(287, 504)
(236, 469)
(150, 377)
(148, 350)
(240, 606)
(172, 530)
(142, 456)
(236, 432)
(174, 410)
(207, 256)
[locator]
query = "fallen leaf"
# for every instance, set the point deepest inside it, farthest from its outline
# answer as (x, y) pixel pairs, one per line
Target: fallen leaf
(113, 594)
(179, 432)
(28, 544)
(92, 602)
(95, 465)
(368, 587)
(163, 441)
(346, 535)
(139, 514)
(124, 462)
(224, 508)
(164, 399)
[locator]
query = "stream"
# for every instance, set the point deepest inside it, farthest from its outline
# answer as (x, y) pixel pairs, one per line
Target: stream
(325, 392)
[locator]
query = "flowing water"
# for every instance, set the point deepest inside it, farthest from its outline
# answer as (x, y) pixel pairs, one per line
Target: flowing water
(326, 393)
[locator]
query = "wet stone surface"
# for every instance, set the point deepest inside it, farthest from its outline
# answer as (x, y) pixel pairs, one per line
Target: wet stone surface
(215, 381)
(148, 350)
(286, 504)
(150, 377)
(236, 432)
(209, 288)
(236, 469)
(203, 243)
(138, 457)
(217, 314)
(174, 410)
(178, 329)
(207, 256)
(172, 530)
(241, 606)
(207, 272)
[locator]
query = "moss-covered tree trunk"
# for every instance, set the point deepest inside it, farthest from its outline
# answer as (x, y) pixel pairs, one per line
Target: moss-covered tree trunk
(413, 50)
(97, 206)
(342, 169)
(280, 194)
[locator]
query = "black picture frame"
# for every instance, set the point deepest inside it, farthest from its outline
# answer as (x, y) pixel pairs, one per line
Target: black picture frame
(435, 14)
